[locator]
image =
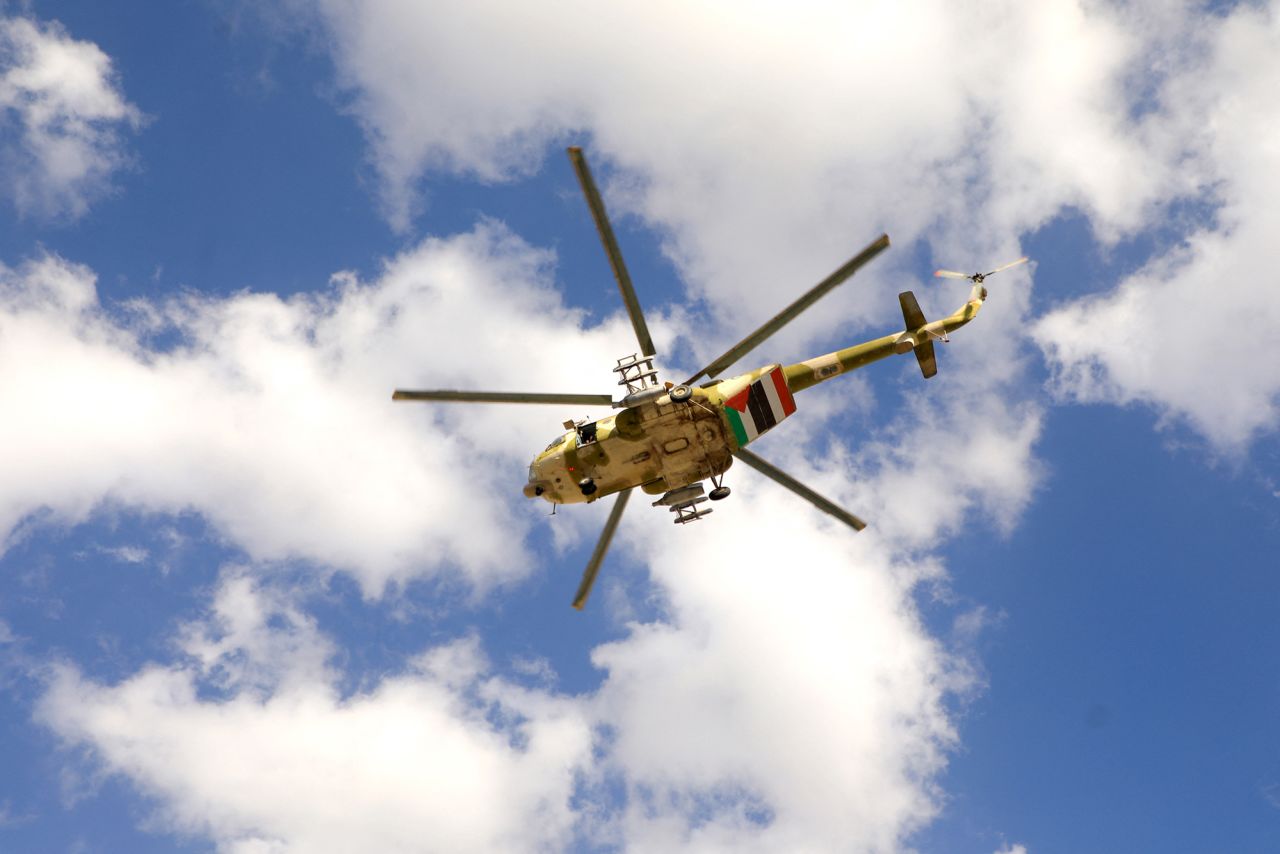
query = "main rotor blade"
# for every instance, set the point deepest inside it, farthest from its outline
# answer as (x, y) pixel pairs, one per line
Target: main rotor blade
(611, 249)
(503, 397)
(778, 475)
(746, 345)
(602, 546)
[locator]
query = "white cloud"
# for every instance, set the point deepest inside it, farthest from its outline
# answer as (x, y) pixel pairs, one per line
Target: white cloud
(1189, 334)
(126, 554)
(256, 639)
(945, 459)
(792, 701)
(769, 144)
(62, 118)
(789, 697)
(9, 818)
(444, 757)
(273, 418)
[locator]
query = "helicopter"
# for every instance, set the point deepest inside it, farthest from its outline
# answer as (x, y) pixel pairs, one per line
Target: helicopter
(668, 438)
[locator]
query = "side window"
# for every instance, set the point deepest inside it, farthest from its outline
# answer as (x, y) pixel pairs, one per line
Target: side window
(586, 433)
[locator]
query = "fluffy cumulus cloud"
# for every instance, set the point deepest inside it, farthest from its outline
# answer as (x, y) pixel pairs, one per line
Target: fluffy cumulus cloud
(62, 119)
(789, 699)
(1189, 332)
(787, 695)
(273, 417)
(442, 757)
(810, 99)
(770, 143)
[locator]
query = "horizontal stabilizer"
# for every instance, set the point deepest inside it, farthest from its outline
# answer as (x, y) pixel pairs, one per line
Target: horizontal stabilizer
(911, 312)
(928, 362)
(914, 318)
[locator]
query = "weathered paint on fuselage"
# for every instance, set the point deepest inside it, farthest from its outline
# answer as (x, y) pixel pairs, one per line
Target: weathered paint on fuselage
(819, 369)
(662, 445)
(657, 446)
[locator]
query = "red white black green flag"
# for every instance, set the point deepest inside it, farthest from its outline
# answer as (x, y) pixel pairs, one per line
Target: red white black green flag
(759, 406)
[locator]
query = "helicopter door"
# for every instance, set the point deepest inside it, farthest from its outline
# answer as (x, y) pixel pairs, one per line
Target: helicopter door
(586, 433)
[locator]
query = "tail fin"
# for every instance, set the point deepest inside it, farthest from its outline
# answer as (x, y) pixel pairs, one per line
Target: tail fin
(914, 319)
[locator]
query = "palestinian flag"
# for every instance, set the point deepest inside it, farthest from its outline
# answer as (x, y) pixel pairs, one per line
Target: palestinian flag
(759, 406)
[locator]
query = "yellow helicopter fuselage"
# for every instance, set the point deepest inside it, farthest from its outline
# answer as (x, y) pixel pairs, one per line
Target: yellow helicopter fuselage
(659, 446)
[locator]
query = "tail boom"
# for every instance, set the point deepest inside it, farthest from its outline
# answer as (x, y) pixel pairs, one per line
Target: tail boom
(810, 372)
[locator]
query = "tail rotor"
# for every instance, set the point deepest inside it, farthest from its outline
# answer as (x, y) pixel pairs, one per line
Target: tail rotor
(978, 278)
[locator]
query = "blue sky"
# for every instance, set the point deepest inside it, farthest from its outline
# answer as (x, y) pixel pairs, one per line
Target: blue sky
(249, 605)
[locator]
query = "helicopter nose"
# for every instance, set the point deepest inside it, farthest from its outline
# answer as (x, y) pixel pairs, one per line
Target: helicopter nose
(533, 490)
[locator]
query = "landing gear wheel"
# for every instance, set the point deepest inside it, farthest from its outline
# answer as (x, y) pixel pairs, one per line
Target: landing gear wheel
(680, 393)
(588, 486)
(719, 493)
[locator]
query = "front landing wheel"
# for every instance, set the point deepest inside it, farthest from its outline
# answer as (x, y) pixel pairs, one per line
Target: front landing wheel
(719, 493)
(680, 393)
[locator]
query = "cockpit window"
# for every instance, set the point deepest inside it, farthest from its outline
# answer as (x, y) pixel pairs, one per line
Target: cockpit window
(557, 441)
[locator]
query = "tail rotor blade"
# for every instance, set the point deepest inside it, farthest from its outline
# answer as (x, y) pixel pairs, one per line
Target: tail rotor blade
(779, 476)
(602, 546)
(950, 274)
(1021, 260)
(611, 249)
